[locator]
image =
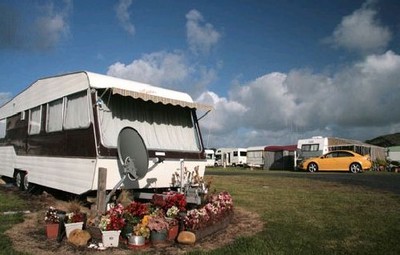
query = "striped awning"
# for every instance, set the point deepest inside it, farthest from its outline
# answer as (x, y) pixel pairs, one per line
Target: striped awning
(163, 100)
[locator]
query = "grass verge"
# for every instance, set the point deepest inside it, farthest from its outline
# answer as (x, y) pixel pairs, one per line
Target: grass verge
(305, 215)
(9, 203)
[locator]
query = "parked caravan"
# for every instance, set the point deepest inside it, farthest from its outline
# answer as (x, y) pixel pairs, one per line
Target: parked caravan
(311, 147)
(231, 157)
(255, 156)
(210, 157)
(61, 130)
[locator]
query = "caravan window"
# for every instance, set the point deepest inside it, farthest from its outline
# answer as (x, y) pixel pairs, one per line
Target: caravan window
(163, 127)
(35, 115)
(54, 116)
(243, 153)
(2, 128)
(77, 111)
(310, 147)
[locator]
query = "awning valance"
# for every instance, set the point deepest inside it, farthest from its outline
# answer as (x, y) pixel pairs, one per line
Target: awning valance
(158, 99)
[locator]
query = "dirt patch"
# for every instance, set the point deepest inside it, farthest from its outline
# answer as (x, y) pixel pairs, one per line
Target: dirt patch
(30, 235)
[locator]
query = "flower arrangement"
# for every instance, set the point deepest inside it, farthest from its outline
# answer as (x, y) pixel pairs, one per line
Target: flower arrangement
(176, 199)
(168, 200)
(74, 217)
(218, 206)
(142, 229)
(157, 221)
(172, 212)
(51, 215)
(113, 219)
(135, 211)
(75, 214)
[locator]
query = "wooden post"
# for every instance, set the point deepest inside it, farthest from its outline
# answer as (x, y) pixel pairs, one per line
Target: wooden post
(101, 190)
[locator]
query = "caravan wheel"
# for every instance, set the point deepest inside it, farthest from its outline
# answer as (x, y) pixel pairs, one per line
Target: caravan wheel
(25, 183)
(21, 180)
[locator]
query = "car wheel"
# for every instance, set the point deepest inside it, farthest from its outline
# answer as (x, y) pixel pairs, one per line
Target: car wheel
(355, 168)
(312, 167)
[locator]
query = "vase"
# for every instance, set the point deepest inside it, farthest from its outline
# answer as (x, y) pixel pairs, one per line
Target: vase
(110, 238)
(173, 232)
(158, 237)
(52, 230)
(136, 240)
(69, 227)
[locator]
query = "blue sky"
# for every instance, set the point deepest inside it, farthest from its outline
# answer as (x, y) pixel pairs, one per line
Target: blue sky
(274, 71)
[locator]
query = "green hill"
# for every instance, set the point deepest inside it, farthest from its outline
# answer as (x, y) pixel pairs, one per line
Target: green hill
(386, 140)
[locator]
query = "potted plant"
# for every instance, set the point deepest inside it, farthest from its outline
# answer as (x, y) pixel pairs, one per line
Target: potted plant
(52, 220)
(111, 224)
(172, 218)
(75, 218)
(133, 214)
(158, 226)
(141, 233)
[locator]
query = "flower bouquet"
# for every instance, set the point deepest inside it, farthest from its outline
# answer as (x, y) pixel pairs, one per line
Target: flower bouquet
(52, 216)
(52, 220)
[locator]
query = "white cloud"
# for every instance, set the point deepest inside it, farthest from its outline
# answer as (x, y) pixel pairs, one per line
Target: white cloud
(124, 17)
(201, 37)
(160, 68)
(36, 32)
(50, 28)
(359, 102)
(361, 31)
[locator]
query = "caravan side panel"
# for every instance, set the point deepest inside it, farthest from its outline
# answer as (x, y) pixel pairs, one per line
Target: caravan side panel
(8, 157)
(74, 175)
(159, 176)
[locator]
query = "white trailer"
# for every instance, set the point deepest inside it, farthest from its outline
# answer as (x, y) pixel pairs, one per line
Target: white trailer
(231, 157)
(210, 157)
(60, 130)
(255, 156)
(311, 147)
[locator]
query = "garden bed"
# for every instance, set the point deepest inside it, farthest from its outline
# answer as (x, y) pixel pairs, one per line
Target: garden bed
(30, 237)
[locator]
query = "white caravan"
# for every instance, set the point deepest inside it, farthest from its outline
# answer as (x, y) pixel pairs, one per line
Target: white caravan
(231, 157)
(210, 157)
(60, 130)
(255, 156)
(311, 147)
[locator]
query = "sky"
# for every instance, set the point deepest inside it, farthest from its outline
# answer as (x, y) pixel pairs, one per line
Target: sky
(273, 71)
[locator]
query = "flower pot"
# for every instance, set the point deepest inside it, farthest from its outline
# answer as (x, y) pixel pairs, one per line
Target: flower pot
(158, 237)
(69, 227)
(52, 230)
(110, 238)
(173, 233)
(136, 240)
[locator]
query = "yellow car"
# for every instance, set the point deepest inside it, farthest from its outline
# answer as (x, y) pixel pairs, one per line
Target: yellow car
(340, 160)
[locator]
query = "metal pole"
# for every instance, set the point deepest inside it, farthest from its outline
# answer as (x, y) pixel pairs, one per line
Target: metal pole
(182, 162)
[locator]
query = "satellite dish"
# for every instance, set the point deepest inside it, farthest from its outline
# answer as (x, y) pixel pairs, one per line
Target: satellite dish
(132, 153)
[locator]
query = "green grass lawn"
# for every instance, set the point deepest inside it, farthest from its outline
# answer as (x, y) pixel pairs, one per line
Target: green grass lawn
(9, 203)
(302, 212)
(310, 216)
